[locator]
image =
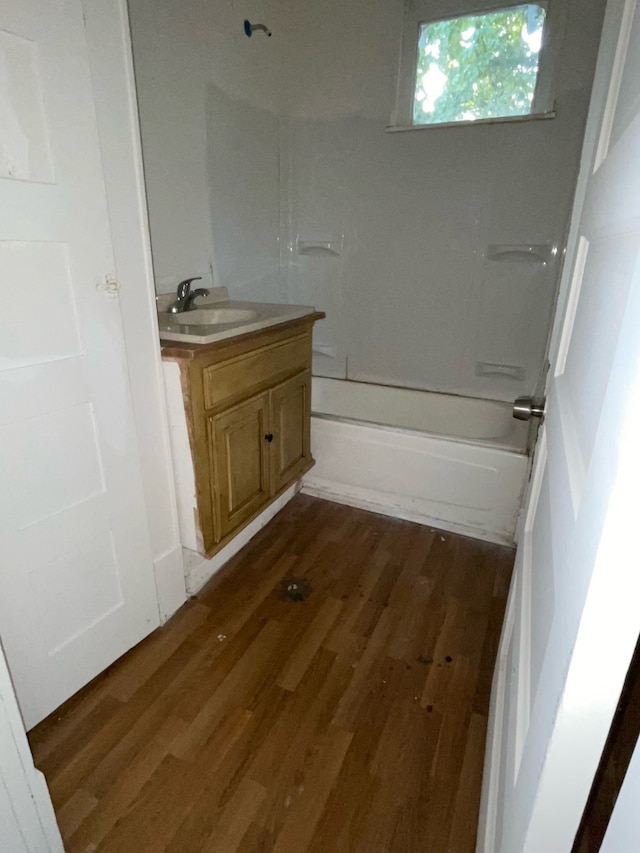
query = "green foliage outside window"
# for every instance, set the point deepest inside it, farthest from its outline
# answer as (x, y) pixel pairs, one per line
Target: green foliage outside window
(478, 66)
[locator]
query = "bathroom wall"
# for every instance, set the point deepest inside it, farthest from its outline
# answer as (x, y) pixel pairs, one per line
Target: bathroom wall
(209, 102)
(412, 299)
(270, 171)
(244, 197)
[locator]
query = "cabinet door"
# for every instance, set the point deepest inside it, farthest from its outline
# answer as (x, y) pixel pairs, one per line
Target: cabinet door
(239, 453)
(290, 425)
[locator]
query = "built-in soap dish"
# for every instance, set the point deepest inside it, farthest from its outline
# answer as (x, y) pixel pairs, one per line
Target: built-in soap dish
(325, 349)
(319, 248)
(500, 370)
(540, 253)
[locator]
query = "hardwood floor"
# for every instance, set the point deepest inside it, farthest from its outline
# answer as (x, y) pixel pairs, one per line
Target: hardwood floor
(353, 720)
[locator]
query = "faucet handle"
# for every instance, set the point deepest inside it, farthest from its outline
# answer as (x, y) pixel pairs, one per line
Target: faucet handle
(185, 286)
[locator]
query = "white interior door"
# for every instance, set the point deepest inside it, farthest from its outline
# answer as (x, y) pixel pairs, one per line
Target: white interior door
(27, 820)
(573, 618)
(76, 584)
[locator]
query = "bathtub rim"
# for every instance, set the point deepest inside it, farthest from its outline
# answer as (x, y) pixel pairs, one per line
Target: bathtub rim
(525, 449)
(454, 439)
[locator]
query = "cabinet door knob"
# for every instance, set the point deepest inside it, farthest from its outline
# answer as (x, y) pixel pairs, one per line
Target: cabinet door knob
(269, 437)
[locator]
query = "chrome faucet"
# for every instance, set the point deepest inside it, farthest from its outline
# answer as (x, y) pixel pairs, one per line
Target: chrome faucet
(186, 296)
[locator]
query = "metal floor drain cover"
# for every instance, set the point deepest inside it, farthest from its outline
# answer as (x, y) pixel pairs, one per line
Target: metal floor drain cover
(297, 589)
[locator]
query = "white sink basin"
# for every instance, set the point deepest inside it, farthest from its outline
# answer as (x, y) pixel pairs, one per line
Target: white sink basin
(224, 318)
(212, 316)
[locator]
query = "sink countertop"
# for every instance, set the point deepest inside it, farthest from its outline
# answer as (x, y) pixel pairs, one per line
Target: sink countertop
(188, 340)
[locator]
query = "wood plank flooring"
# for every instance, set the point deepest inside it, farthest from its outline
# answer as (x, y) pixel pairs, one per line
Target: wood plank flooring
(351, 721)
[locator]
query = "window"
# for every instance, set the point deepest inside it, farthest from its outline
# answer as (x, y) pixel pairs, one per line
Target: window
(480, 65)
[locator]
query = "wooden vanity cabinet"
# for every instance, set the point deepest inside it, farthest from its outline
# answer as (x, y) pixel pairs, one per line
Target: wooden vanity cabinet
(248, 407)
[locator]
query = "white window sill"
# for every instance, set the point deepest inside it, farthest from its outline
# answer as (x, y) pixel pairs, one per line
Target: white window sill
(481, 121)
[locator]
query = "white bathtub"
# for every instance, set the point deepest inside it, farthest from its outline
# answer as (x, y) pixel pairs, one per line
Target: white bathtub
(456, 463)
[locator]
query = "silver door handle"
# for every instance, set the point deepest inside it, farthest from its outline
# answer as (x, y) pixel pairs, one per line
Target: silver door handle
(525, 408)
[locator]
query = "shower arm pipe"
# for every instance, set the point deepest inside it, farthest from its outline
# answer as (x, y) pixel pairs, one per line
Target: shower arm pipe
(250, 28)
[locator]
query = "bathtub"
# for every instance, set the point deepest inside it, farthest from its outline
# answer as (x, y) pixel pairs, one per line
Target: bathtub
(456, 463)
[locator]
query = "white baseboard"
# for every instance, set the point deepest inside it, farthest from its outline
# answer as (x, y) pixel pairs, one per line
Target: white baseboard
(170, 586)
(199, 570)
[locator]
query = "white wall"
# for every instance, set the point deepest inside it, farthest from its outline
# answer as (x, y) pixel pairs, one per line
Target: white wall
(250, 144)
(199, 78)
(243, 163)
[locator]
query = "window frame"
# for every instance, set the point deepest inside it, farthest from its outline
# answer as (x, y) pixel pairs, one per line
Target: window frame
(420, 12)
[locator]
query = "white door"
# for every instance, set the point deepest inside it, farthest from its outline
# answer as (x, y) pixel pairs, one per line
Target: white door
(573, 616)
(76, 576)
(27, 820)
